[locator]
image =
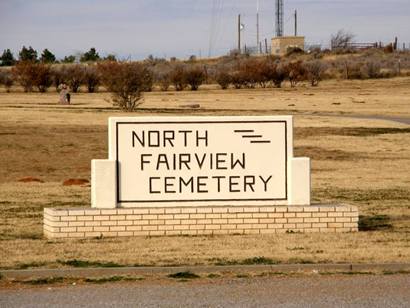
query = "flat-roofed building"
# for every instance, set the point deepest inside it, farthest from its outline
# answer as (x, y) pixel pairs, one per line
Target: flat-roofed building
(280, 45)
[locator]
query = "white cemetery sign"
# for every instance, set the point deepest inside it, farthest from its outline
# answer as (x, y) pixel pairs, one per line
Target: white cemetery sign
(199, 161)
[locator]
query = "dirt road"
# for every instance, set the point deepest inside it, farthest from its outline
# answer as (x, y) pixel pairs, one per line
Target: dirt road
(312, 291)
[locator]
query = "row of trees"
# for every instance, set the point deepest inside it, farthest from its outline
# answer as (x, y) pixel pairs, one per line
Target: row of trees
(127, 80)
(30, 54)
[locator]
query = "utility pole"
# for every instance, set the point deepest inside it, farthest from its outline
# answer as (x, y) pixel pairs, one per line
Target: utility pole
(266, 45)
(239, 33)
(257, 25)
(296, 23)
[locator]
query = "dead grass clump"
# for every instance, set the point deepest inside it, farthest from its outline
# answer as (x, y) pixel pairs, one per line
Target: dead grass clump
(304, 132)
(30, 179)
(318, 153)
(71, 182)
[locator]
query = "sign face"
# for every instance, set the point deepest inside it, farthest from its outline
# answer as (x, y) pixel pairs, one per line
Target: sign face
(201, 160)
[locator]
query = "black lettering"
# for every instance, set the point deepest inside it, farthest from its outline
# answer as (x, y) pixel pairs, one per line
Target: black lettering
(218, 179)
(200, 163)
(135, 136)
(204, 138)
(220, 160)
(236, 161)
(184, 159)
(200, 184)
(232, 184)
(168, 184)
(174, 161)
(162, 159)
(248, 180)
(143, 161)
(169, 138)
(265, 182)
(151, 191)
(154, 133)
(183, 183)
(185, 133)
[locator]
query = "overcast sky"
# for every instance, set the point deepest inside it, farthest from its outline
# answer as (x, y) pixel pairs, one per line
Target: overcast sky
(180, 28)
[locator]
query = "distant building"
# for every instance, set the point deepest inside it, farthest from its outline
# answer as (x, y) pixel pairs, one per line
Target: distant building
(280, 45)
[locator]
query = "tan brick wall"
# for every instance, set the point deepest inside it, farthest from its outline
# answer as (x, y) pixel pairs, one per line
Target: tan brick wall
(74, 223)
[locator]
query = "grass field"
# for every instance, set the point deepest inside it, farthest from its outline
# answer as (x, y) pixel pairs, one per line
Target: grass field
(358, 158)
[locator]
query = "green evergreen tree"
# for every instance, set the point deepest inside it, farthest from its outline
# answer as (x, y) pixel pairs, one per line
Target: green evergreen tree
(7, 59)
(110, 57)
(90, 56)
(28, 54)
(68, 59)
(47, 56)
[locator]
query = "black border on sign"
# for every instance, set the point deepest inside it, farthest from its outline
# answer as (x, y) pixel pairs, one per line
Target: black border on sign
(200, 200)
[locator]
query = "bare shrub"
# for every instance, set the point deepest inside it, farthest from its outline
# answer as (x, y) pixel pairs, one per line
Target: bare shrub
(296, 72)
(178, 77)
(74, 76)
(279, 74)
(91, 79)
(350, 69)
(58, 76)
(341, 40)
(290, 51)
(389, 48)
(238, 78)
(42, 77)
(6, 79)
(223, 78)
(371, 69)
(126, 82)
(24, 73)
(162, 76)
(194, 76)
(315, 69)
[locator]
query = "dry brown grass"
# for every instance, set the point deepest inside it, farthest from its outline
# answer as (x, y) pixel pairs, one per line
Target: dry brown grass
(356, 161)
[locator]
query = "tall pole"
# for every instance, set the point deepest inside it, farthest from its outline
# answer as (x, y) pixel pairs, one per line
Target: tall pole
(279, 18)
(239, 33)
(257, 24)
(296, 23)
(266, 45)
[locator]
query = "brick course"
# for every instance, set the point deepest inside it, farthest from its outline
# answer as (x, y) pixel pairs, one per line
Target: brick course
(80, 223)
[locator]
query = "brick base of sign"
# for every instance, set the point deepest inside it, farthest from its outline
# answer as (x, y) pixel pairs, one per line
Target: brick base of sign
(86, 222)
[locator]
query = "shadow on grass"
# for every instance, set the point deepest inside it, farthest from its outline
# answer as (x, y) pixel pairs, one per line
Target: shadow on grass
(248, 261)
(374, 223)
(84, 263)
(183, 275)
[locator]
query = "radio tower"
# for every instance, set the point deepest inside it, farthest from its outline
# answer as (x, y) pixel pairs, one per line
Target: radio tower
(279, 18)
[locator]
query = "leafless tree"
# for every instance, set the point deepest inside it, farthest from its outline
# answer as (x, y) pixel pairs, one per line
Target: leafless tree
(341, 40)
